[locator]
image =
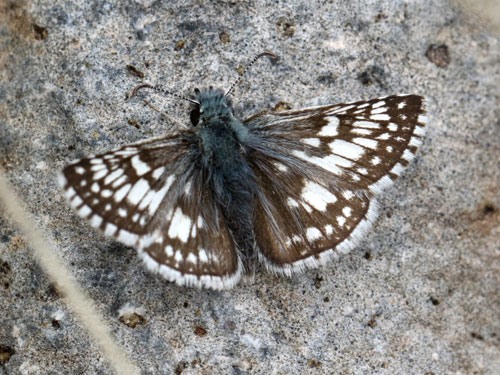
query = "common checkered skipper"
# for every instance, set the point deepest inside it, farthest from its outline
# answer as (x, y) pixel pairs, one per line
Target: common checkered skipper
(289, 189)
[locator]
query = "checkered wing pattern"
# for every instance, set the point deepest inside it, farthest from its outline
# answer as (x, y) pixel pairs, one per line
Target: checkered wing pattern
(150, 195)
(319, 169)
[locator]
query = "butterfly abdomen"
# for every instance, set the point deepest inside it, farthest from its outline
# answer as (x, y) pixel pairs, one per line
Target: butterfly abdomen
(236, 196)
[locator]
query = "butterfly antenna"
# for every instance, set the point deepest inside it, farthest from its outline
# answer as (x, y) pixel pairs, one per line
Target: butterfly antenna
(161, 91)
(272, 55)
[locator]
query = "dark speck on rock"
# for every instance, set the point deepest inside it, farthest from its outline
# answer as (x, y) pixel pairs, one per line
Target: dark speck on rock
(439, 55)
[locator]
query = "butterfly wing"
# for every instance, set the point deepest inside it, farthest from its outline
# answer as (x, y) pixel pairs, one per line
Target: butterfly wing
(151, 195)
(318, 170)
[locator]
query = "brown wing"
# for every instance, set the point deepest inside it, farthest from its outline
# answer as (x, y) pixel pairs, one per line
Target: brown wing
(318, 170)
(150, 195)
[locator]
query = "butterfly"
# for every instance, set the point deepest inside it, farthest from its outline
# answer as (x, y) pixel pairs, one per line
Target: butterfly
(290, 189)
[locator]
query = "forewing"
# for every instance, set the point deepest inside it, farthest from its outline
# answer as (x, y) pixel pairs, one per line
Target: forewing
(150, 195)
(318, 170)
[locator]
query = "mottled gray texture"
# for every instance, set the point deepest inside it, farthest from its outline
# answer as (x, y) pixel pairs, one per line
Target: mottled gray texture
(419, 296)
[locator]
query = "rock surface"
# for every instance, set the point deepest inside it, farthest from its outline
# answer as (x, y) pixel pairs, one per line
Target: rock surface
(421, 295)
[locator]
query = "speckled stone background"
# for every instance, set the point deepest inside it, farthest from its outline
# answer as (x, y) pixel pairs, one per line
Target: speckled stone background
(420, 296)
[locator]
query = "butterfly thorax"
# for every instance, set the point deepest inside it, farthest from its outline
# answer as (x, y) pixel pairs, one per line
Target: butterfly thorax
(220, 133)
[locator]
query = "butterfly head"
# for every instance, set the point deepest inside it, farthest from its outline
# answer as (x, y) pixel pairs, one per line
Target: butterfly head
(212, 106)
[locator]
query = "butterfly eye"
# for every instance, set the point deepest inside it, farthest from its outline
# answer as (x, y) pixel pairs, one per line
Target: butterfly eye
(195, 116)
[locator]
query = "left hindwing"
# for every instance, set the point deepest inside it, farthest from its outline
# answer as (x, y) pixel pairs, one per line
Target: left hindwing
(318, 170)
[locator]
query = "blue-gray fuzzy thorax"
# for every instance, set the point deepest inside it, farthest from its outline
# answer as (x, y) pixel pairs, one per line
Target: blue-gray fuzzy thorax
(221, 133)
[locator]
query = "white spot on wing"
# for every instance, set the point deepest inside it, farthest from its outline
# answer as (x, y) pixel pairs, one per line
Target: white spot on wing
(106, 193)
(158, 172)
(70, 193)
(282, 167)
(126, 152)
(347, 194)
(120, 181)
(120, 194)
(397, 169)
(113, 176)
(392, 127)
(361, 131)
(407, 155)
(380, 117)
(419, 130)
(384, 136)
(178, 256)
(180, 226)
(96, 221)
(98, 167)
(317, 196)
(61, 180)
(127, 238)
(84, 211)
(342, 109)
(366, 124)
(169, 250)
(313, 234)
(422, 119)
(187, 187)
(139, 190)
(315, 142)
(140, 167)
(326, 163)
(306, 207)
(362, 171)
(202, 255)
(76, 202)
(378, 104)
(199, 221)
(330, 129)
(369, 143)
(110, 229)
(191, 258)
(292, 202)
(346, 149)
(378, 110)
(154, 198)
(347, 211)
(100, 174)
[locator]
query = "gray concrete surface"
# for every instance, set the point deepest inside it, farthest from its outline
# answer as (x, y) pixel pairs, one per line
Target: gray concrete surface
(420, 296)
